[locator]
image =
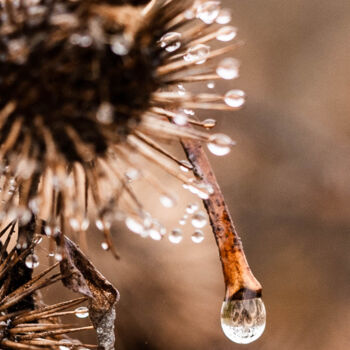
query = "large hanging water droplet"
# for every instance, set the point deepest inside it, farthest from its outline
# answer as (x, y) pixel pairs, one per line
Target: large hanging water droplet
(243, 321)
(226, 33)
(228, 68)
(199, 220)
(81, 312)
(220, 144)
(32, 261)
(208, 11)
(175, 236)
(170, 41)
(198, 53)
(235, 98)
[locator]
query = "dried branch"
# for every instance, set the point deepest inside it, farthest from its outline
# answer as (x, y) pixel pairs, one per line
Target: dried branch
(239, 279)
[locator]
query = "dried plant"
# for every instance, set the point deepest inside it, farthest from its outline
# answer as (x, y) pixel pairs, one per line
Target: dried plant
(87, 90)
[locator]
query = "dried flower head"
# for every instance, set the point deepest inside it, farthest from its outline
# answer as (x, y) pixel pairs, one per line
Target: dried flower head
(88, 86)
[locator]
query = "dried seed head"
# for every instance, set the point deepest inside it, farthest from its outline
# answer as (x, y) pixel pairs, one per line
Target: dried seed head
(87, 89)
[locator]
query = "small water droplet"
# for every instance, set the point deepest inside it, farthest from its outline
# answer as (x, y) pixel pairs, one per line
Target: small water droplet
(175, 236)
(81, 312)
(211, 85)
(182, 221)
(235, 98)
(32, 261)
(134, 225)
(81, 40)
(228, 68)
(191, 208)
(180, 119)
(58, 257)
(170, 41)
(224, 16)
(208, 11)
(199, 220)
(186, 166)
(189, 112)
(132, 174)
(226, 33)
(167, 201)
(104, 246)
(220, 144)
(120, 45)
(209, 123)
(155, 234)
(197, 236)
(243, 321)
(104, 113)
(198, 53)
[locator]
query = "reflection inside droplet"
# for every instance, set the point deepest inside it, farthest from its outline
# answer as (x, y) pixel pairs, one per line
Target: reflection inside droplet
(243, 321)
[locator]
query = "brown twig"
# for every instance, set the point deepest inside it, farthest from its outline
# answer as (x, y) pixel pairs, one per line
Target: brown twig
(239, 279)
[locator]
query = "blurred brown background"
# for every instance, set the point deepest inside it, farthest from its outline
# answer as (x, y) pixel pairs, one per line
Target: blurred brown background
(287, 184)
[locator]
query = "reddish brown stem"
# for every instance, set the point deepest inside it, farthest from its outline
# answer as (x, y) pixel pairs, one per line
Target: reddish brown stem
(239, 279)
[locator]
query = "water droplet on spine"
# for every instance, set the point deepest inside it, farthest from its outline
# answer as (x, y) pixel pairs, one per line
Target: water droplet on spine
(228, 68)
(104, 246)
(209, 123)
(120, 45)
(32, 261)
(104, 113)
(198, 53)
(243, 321)
(220, 144)
(191, 208)
(175, 236)
(199, 220)
(211, 85)
(170, 41)
(167, 201)
(197, 236)
(134, 225)
(208, 11)
(224, 16)
(235, 98)
(81, 312)
(227, 33)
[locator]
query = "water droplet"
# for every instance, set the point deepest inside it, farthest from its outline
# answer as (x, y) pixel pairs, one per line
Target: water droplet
(74, 223)
(32, 261)
(189, 111)
(81, 312)
(243, 321)
(175, 236)
(197, 236)
(197, 53)
(208, 11)
(155, 234)
(211, 85)
(180, 119)
(220, 144)
(235, 98)
(226, 33)
(132, 174)
(191, 208)
(228, 68)
(104, 113)
(170, 41)
(81, 40)
(104, 246)
(58, 257)
(209, 123)
(224, 16)
(199, 220)
(167, 201)
(182, 221)
(120, 45)
(186, 166)
(134, 225)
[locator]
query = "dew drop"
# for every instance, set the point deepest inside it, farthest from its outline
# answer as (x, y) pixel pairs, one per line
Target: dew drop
(104, 246)
(32, 261)
(235, 98)
(132, 174)
(199, 220)
(58, 257)
(167, 201)
(209, 123)
(155, 234)
(120, 45)
(134, 225)
(191, 208)
(81, 312)
(81, 40)
(228, 68)
(227, 33)
(220, 144)
(243, 321)
(170, 41)
(182, 221)
(197, 236)
(186, 165)
(224, 16)
(208, 11)
(104, 113)
(211, 85)
(175, 236)
(197, 53)
(180, 119)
